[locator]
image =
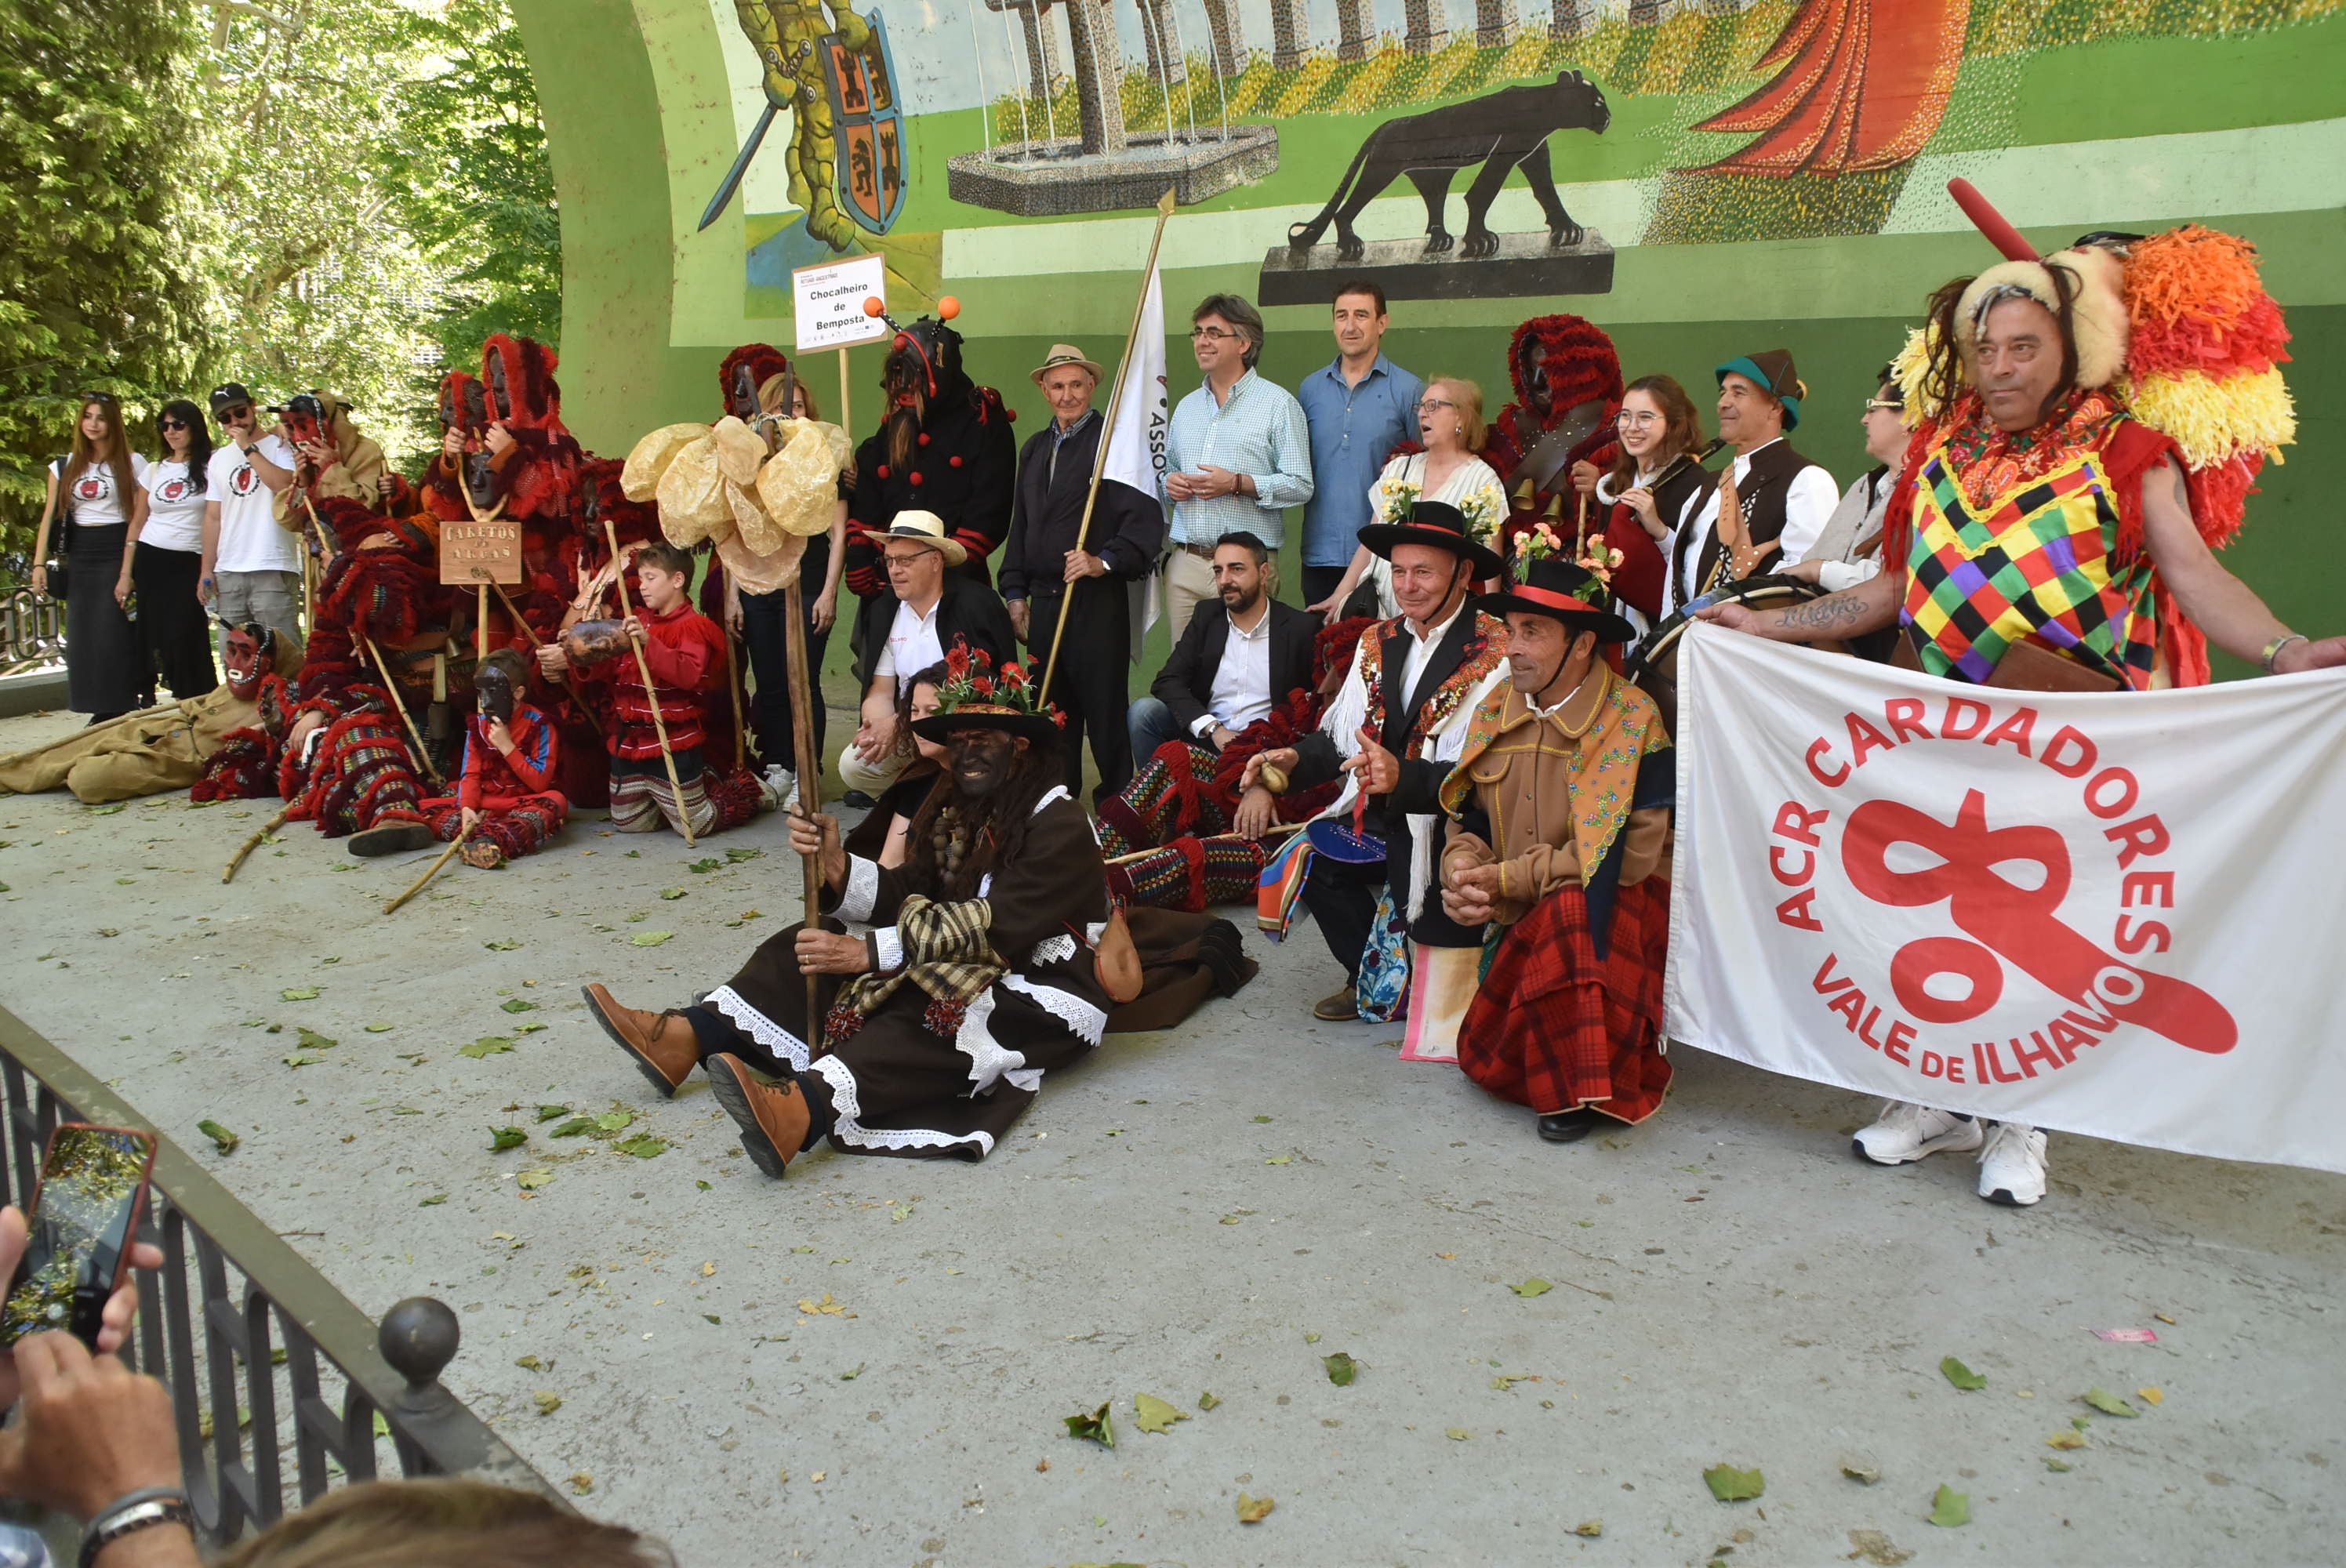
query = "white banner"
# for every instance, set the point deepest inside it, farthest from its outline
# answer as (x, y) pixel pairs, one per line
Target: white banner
(1136, 447)
(2113, 915)
(827, 302)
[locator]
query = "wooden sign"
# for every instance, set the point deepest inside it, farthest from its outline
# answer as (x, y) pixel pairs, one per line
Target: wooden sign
(480, 552)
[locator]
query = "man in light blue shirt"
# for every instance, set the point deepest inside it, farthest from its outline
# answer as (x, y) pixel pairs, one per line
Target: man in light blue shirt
(1361, 406)
(1237, 454)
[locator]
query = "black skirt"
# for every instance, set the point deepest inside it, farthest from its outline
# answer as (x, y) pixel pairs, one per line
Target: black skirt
(106, 659)
(175, 630)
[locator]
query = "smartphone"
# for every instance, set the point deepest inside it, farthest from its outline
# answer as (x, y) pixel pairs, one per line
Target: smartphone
(84, 1216)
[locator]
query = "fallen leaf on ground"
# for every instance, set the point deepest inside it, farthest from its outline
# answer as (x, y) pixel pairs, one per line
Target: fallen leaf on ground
(505, 944)
(437, 1197)
(222, 1139)
(531, 1180)
(1950, 1508)
(737, 854)
(1151, 1415)
(826, 1305)
(313, 1041)
(548, 1403)
(615, 1121)
(2108, 1403)
(548, 1112)
(1877, 1549)
(709, 864)
(1341, 1369)
(671, 895)
(644, 1148)
(504, 1138)
(2070, 1438)
(487, 1045)
(1533, 1287)
(1251, 1509)
(2061, 1466)
(574, 1127)
(1280, 1160)
(1457, 1434)
(650, 938)
(1505, 1381)
(298, 1060)
(2152, 1396)
(1861, 1467)
(529, 1363)
(1729, 1484)
(518, 1005)
(1096, 1426)
(1592, 1528)
(298, 994)
(2163, 1317)
(852, 1373)
(1963, 1377)
(581, 1483)
(521, 1028)
(381, 1028)
(1208, 1400)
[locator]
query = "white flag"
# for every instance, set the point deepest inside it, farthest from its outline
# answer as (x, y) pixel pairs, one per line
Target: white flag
(1136, 447)
(2110, 914)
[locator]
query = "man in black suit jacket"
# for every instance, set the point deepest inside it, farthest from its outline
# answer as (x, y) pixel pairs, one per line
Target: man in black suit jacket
(934, 607)
(1228, 670)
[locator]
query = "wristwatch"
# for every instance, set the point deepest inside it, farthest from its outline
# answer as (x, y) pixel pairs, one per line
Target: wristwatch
(2272, 648)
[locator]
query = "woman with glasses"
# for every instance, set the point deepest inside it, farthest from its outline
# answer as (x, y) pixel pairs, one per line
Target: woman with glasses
(93, 495)
(167, 553)
(1659, 467)
(1450, 421)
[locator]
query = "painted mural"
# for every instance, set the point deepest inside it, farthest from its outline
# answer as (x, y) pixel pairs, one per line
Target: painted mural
(1481, 150)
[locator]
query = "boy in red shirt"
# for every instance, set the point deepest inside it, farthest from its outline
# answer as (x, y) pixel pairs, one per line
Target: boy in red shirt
(686, 654)
(506, 795)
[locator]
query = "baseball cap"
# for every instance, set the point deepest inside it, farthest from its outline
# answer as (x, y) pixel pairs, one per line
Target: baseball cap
(228, 394)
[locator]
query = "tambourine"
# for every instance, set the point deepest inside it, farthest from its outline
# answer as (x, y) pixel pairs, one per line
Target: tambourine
(1654, 664)
(592, 642)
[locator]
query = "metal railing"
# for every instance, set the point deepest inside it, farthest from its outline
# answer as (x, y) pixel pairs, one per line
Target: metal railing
(262, 1355)
(32, 629)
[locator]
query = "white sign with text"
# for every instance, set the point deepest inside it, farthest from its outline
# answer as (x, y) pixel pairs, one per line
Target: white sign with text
(827, 303)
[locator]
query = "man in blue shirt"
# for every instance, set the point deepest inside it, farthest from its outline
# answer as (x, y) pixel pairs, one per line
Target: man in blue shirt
(1360, 407)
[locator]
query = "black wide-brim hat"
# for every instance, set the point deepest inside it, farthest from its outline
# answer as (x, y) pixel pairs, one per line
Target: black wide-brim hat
(1564, 592)
(1439, 525)
(1039, 728)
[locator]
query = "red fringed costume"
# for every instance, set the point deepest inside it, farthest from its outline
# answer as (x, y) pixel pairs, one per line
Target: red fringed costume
(1859, 85)
(520, 809)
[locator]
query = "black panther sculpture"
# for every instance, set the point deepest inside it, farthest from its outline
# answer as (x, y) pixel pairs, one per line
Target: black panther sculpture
(1503, 130)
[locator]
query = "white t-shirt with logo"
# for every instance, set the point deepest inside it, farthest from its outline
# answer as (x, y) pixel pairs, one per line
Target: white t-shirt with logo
(251, 538)
(175, 508)
(92, 495)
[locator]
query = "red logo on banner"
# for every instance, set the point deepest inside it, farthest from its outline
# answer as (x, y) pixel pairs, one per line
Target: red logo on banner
(2000, 887)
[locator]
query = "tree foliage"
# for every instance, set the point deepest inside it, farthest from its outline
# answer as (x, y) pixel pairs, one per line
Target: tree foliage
(97, 293)
(290, 193)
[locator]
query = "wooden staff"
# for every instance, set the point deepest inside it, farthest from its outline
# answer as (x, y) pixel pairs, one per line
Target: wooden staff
(651, 696)
(803, 694)
(279, 820)
(1107, 432)
(430, 871)
(519, 619)
(734, 688)
(390, 687)
(481, 623)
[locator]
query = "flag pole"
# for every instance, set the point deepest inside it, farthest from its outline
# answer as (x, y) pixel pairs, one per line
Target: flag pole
(1108, 432)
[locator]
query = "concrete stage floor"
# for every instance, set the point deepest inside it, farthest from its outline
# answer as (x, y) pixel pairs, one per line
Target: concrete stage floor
(1214, 1210)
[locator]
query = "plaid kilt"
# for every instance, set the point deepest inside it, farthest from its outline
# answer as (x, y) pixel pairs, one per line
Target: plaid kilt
(1555, 1028)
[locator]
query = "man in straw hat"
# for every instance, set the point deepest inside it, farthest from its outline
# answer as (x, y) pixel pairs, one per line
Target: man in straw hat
(1393, 730)
(1046, 574)
(935, 608)
(2093, 420)
(1559, 839)
(977, 977)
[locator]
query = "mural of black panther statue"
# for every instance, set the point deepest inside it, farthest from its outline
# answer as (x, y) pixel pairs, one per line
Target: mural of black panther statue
(1501, 131)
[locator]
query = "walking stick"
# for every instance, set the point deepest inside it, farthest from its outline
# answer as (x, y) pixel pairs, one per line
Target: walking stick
(804, 693)
(651, 694)
(1108, 432)
(739, 700)
(515, 611)
(253, 843)
(429, 872)
(390, 688)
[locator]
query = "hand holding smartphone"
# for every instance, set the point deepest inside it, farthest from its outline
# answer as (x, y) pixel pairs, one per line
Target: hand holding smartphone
(83, 1218)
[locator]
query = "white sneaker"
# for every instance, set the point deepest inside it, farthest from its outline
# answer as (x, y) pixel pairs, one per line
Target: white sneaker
(779, 785)
(2012, 1166)
(1903, 1134)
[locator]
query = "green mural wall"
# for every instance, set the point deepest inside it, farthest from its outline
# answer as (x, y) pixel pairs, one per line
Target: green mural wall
(2135, 116)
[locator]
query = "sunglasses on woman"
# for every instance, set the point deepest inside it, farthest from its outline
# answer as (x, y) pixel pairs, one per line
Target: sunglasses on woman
(170, 424)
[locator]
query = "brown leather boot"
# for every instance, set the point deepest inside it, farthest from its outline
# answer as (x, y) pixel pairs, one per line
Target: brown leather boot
(770, 1112)
(661, 1043)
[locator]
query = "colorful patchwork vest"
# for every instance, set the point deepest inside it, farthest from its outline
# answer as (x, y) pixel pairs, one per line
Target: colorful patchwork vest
(2037, 560)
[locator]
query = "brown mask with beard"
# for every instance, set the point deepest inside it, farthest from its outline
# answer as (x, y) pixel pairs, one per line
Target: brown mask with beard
(252, 654)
